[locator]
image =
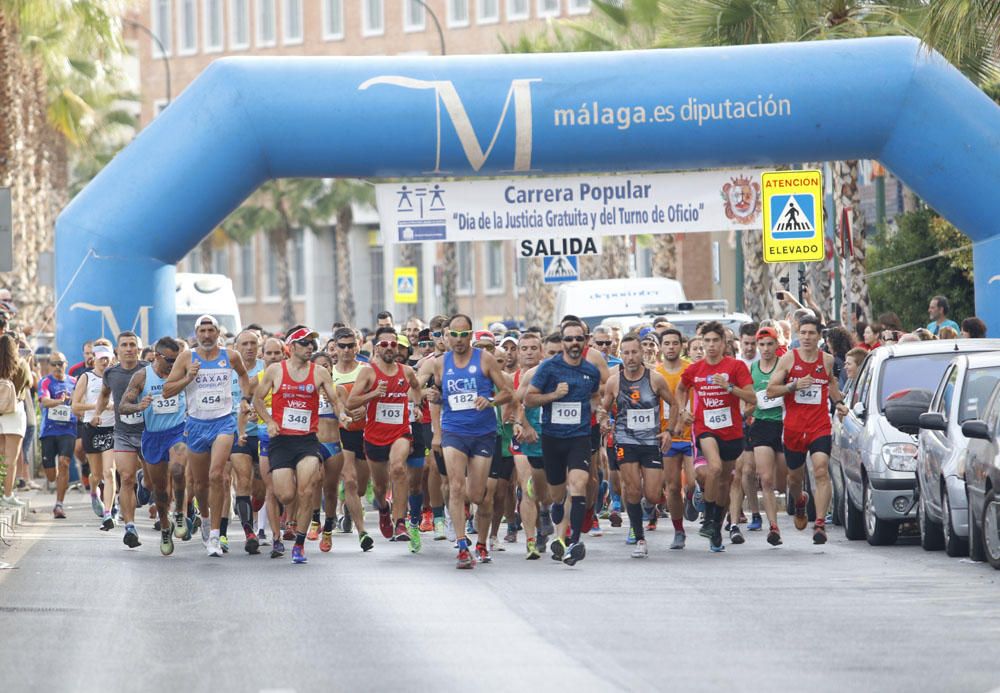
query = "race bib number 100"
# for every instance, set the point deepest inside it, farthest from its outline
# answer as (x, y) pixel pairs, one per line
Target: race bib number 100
(567, 413)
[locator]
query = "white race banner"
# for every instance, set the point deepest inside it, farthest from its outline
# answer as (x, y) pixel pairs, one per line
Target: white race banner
(578, 206)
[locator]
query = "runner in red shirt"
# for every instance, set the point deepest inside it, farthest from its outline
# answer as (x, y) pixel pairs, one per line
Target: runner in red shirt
(295, 453)
(804, 377)
(386, 387)
(719, 383)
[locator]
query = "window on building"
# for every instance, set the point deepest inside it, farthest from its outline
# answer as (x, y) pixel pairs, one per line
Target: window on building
(373, 18)
(248, 270)
(458, 13)
(521, 273)
(487, 11)
(297, 259)
(292, 22)
(239, 24)
(213, 25)
(161, 24)
(189, 27)
(220, 260)
(517, 9)
(377, 258)
(414, 16)
(548, 8)
(266, 23)
(494, 266)
(463, 258)
(333, 19)
(579, 6)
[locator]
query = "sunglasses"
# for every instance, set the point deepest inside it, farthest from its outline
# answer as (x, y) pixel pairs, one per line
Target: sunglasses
(165, 358)
(424, 344)
(352, 345)
(385, 344)
(459, 334)
(602, 344)
(304, 342)
(437, 333)
(568, 340)
(57, 363)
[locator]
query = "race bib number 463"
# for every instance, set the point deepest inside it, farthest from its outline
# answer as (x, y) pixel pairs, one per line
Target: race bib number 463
(718, 418)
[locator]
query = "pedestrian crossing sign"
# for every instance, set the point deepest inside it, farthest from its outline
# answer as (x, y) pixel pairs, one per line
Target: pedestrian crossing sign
(793, 216)
(405, 285)
(561, 268)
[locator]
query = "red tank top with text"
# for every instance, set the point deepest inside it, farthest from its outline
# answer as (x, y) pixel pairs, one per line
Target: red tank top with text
(295, 405)
(808, 409)
(388, 417)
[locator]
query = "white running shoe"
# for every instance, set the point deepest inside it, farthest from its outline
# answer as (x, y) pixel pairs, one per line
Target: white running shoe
(11, 501)
(449, 528)
(640, 550)
(214, 547)
(206, 530)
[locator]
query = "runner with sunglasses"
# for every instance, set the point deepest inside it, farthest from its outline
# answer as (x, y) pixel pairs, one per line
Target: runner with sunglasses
(385, 388)
(206, 373)
(163, 435)
(568, 388)
(472, 383)
(295, 386)
(355, 471)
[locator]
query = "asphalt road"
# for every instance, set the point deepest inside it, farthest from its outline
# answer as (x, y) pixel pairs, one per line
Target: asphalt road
(81, 612)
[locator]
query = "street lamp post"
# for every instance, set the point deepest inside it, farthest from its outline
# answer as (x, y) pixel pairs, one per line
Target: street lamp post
(437, 24)
(163, 51)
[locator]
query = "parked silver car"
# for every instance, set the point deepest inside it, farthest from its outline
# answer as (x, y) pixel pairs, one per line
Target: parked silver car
(961, 396)
(872, 463)
(982, 482)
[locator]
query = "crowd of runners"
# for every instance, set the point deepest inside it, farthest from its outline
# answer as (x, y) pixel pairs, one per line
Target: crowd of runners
(448, 433)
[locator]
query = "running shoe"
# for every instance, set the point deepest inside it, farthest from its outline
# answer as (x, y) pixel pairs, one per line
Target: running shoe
(465, 560)
(224, 543)
(651, 524)
(108, 524)
(414, 533)
(707, 529)
(440, 534)
(575, 553)
(510, 537)
(252, 546)
(326, 542)
(558, 549)
(366, 541)
(313, 533)
(401, 533)
(698, 499)
(605, 513)
(131, 538)
(277, 549)
(426, 521)
(449, 529)
(142, 494)
(156, 525)
(385, 522)
(299, 554)
(640, 550)
(470, 526)
(595, 530)
(496, 545)
(482, 554)
(344, 523)
(96, 505)
(756, 523)
(214, 547)
(630, 540)
(690, 512)
(179, 526)
(819, 533)
(167, 540)
(548, 529)
(533, 554)
(743, 518)
(774, 536)
(262, 538)
(615, 518)
(58, 513)
(801, 521)
(715, 544)
(735, 535)
(288, 534)
(680, 539)
(206, 531)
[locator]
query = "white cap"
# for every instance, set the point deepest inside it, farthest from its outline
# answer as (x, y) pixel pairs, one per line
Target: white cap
(206, 319)
(103, 351)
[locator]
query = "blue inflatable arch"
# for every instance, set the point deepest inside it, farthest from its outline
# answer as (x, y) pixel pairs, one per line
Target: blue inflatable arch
(247, 120)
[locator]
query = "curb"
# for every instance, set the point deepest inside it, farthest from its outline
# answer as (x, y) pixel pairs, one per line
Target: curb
(12, 517)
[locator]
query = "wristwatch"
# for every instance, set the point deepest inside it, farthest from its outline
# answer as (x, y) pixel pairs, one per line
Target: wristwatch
(729, 388)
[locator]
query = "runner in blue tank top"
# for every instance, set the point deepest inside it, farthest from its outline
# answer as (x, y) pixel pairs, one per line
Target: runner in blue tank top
(567, 387)
(468, 378)
(205, 372)
(163, 435)
(245, 453)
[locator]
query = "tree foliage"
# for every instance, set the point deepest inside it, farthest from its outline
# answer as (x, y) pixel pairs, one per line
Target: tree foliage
(907, 290)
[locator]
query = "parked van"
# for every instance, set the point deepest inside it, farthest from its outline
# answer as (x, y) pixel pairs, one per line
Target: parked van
(198, 294)
(595, 300)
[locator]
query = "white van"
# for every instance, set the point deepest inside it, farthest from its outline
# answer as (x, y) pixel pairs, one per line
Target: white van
(595, 300)
(198, 294)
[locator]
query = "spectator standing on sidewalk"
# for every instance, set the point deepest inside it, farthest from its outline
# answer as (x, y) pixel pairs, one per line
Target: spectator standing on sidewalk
(938, 312)
(15, 378)
(973, 328)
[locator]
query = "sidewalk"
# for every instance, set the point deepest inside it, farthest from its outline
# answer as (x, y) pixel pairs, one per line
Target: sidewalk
(10, 518)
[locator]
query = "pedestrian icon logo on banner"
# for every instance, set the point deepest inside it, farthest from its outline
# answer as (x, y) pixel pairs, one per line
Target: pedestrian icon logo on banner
(794, 220)
(561, 268)
(793, 216)
(405, 285)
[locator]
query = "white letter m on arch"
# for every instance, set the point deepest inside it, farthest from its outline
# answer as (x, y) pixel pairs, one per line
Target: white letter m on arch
(445, 92)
